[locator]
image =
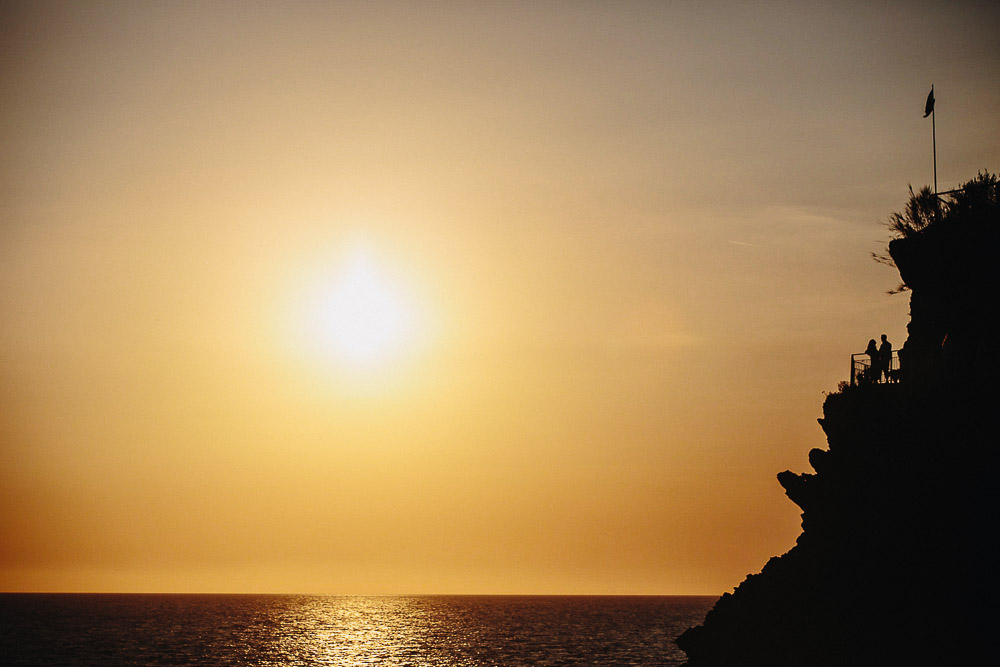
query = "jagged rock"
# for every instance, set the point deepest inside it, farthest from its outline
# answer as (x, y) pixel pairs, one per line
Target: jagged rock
(894, 562)
(819, 459)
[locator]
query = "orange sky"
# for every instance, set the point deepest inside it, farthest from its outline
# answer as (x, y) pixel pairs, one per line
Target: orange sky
(632, 241)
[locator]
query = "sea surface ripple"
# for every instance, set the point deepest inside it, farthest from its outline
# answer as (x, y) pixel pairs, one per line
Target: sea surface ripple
(79, 630)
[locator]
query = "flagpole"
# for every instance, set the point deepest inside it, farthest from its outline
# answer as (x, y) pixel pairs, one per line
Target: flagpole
(929, 111)
(934, 140)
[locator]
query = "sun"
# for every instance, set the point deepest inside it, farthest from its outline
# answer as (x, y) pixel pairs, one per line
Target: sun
(360, 317)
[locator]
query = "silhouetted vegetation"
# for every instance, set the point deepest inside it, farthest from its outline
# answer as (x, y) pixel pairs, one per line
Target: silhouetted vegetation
(968, 205)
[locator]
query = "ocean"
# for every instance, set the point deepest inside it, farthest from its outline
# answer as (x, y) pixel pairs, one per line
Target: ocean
(76, 630)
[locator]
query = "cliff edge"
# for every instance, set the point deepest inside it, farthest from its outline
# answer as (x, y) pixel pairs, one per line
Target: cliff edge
(894, 564)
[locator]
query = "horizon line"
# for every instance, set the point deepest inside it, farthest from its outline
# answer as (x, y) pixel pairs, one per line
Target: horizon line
(386, 595)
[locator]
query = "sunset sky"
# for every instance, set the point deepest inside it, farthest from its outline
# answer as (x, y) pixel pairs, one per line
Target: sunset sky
(606, 258)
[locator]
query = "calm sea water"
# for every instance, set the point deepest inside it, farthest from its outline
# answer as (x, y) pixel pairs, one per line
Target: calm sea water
(459, 631)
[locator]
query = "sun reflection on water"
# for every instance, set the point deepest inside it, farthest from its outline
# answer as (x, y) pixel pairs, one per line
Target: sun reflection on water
(352, 631)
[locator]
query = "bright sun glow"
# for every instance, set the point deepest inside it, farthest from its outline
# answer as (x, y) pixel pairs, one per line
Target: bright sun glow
(360, 317)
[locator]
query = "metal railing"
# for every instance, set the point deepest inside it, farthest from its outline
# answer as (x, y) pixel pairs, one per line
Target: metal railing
(863, 373)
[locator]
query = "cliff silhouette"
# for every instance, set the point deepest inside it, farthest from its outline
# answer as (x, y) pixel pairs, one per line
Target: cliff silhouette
(894, 565)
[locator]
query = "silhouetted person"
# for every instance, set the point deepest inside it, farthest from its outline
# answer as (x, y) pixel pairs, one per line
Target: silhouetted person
(872, 372)
(884, 357)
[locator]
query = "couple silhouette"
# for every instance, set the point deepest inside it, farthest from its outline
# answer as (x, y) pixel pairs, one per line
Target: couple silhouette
(880, 357)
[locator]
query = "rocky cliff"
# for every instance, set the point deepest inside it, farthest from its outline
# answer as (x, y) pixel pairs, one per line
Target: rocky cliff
(894, 563)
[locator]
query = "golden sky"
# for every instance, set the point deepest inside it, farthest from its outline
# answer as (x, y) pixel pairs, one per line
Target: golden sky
(611, 255)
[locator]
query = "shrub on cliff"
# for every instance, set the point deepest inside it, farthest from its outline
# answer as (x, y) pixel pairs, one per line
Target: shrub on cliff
(967, 209)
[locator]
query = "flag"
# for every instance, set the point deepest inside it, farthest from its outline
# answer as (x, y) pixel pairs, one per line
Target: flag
(929, 106)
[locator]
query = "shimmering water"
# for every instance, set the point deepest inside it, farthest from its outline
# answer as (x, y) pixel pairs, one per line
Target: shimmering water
(245, 630)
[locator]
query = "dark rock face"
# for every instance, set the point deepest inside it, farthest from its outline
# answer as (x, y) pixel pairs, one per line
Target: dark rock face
(951, 270)
(894, 565)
